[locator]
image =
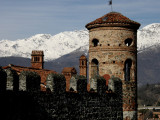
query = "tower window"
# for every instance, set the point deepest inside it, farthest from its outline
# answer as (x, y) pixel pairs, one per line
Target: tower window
(95, 42)
(36, 59)
(127, 69)
(94, 68)
(128, 42)
(82, 62)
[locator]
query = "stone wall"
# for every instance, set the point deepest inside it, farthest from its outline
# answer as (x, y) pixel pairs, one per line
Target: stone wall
(29, 81)
(3, 80)
(12, 82)
(114, 48)
(66, 106)
(57, 104)
(42, 72)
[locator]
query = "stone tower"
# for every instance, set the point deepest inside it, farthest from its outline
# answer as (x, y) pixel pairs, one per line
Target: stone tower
(37, 59)
(83, 65)
(113, 51)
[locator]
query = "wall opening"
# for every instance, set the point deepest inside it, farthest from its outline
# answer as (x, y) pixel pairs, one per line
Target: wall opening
(128, 42)
(94, 68)
(82, 62)
(36, 59)
(95, 42)
(127, 69)
(33, 83)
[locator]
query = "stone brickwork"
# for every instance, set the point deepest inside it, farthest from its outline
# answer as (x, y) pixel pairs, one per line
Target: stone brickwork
(113, 51)
(3, 80)
(73, 84)
(12, 80)
(49, 82)
(58, 83)
(29, 81)
(81, 84)
(42, 72)
(62, 105)
(98, 84)
(78, 84)
(66, 106)
(68, 72)
(114, 84)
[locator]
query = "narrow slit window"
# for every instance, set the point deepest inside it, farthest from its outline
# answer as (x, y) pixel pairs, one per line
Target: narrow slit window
(128, 64)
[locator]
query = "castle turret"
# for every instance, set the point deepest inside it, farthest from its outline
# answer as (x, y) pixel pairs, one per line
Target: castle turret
(37, 60)
(113, 51)
(83, 65)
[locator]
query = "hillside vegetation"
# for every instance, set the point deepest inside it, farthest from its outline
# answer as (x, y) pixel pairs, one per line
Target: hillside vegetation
(149, 95)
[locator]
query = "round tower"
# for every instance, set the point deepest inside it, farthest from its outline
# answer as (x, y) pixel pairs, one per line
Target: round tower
(113, 51)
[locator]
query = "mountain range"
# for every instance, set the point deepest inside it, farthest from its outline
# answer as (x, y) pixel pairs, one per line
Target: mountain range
(53, 46)
(65, 48)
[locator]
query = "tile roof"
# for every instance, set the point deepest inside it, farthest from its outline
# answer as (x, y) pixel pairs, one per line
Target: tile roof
(112, 19)
(68, 70)
(30, 68)
(83, 57)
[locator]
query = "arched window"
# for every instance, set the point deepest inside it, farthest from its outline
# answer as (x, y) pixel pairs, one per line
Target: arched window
(127, 69)
(82, 62)
(94, 68)
(128, 42)
(95, 42)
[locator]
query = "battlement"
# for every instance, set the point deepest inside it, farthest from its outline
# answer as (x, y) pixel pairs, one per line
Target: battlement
(37, 52)
(57, 103)
(56, 83)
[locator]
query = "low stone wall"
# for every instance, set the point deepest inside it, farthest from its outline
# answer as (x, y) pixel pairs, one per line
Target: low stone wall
(67, 106)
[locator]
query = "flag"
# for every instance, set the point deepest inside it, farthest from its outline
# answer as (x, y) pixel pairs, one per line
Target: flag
(110, 2)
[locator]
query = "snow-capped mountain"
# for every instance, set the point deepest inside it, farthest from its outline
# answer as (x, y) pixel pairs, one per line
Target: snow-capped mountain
(148, 36)
(66, 42)
(53, 46)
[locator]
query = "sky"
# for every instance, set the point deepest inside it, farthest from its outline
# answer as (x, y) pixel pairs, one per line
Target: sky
(21, 19)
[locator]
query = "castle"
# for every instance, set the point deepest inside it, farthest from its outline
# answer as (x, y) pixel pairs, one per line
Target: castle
(112, 55)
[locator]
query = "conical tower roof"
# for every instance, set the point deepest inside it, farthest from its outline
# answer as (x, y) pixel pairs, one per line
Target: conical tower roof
(113, 19)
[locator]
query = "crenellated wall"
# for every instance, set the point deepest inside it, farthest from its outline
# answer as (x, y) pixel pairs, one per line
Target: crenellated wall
(31, 103)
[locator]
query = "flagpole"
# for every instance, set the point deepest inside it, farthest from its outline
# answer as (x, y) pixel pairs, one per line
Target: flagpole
(110, 3)
(111, 8)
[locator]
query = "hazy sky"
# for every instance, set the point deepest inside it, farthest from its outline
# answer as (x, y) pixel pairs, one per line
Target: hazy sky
(24, 18)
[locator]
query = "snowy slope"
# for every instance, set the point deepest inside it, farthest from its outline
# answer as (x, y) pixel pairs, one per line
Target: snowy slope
(53, 46)
(66, 42)
(148, 36)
